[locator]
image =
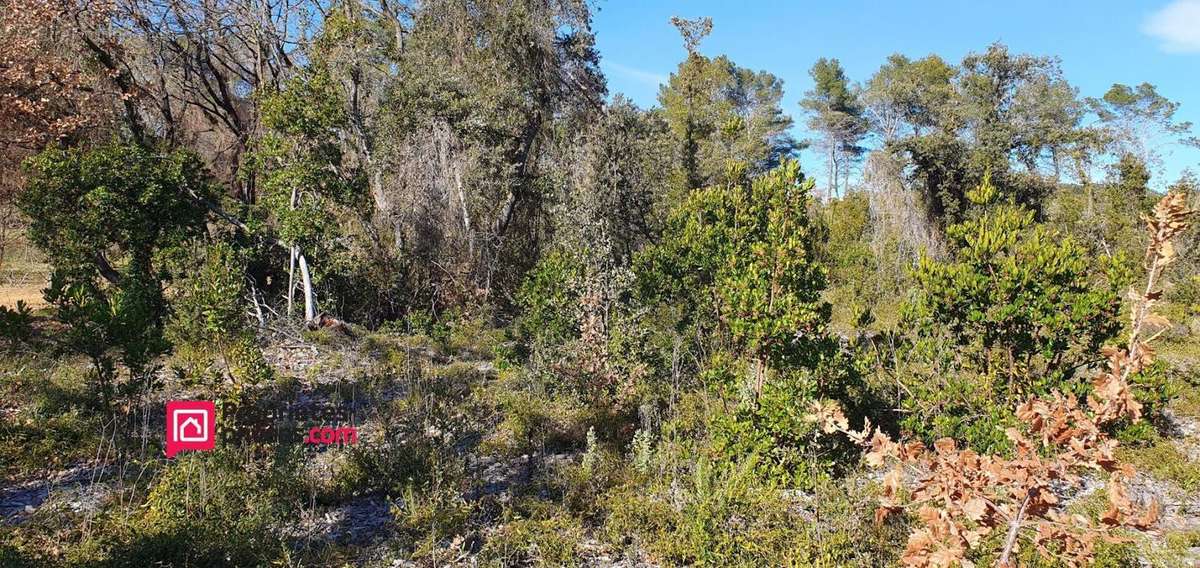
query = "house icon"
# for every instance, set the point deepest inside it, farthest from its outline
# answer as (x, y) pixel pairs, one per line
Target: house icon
(191, 425)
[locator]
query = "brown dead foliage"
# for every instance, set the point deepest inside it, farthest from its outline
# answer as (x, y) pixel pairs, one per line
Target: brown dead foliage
(962, 499)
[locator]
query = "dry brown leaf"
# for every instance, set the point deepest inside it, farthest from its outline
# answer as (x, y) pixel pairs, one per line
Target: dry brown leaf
(975, 509)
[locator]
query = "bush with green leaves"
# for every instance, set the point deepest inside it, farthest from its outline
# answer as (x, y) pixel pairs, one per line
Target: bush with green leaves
(543, 536)
(769, 283)
(549, 298)
(738, 271)
(16, 323)
(103, 217)
(740, 259)
(51, 424)
(1017, 309)
(209, 325)
(310, 191)
(772, 429)
(708, 512)
(581, 331)
(867, 269)
(209, 509)
(429, 516)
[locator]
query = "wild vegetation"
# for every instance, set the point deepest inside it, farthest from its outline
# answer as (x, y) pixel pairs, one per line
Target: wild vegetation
(569, 330)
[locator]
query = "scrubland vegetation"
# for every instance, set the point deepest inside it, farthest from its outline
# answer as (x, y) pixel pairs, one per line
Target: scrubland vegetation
(569, 330)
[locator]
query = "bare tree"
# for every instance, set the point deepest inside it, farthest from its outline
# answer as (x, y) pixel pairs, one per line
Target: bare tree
(186, 70)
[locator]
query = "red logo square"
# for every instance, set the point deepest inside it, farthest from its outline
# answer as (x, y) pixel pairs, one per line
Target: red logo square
(191, 426)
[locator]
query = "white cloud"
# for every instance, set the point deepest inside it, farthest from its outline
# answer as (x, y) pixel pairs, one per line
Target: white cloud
(647, 77)
(1177, 26)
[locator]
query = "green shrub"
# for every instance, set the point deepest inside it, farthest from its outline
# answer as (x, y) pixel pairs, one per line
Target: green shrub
(104, 217)
(209, 324)
(427, 518)
(687, 508)
(1186, 295)
(547, 539)
(744, 255)
(16, 324)
(1016, 309)
(54, 441)
(719, 515)
(1154, 387)
(773, 430)
(581, 333)
(54, 422)
(1183, 539)
(471, 336)
(12, 556)
(535, 421)
(1163, 460)
(385, 466)
(410, 448)
(1106, 555)
(417, 436)
(739, 265)
(580, 487)
(549, 299)
(221, 508)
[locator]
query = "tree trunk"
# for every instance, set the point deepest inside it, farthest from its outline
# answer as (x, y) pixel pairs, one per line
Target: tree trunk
(295, 254)
(837, 173)
(760, 377)
(310, 299)
(846, 176)
(832, 175)
(106, 270)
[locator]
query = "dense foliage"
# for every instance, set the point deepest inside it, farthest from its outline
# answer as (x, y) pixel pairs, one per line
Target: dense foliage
(1024, 311)
(567, 329)
(128, 203)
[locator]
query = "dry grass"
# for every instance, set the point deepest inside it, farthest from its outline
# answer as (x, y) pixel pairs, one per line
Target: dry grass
(23, 274)
(31, 293)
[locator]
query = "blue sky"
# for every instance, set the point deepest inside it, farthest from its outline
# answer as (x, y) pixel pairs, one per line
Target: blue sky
(1100, 42)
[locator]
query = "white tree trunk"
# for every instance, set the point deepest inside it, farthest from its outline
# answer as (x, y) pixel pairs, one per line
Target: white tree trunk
(832, 181)
(295, 251)
(837, 171)
(310, 299)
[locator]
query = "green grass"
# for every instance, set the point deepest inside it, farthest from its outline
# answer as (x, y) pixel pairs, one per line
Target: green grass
(50, 420)
(1164, 461)
(549, 541)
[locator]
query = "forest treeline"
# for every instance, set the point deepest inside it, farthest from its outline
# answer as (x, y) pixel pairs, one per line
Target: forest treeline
(665, 283)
